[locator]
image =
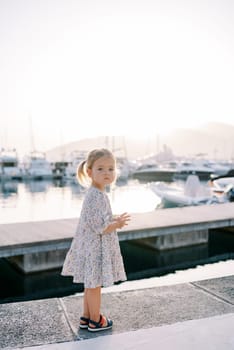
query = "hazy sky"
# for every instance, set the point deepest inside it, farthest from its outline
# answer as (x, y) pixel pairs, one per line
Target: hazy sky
(77, 68)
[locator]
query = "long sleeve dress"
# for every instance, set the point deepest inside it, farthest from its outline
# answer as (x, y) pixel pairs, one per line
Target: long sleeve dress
(94, 257)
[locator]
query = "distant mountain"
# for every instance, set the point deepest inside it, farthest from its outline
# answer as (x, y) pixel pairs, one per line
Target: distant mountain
(213, 140)
(62, 152)
(123, 147)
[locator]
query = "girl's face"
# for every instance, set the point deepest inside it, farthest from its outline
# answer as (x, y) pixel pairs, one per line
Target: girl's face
(103, 172)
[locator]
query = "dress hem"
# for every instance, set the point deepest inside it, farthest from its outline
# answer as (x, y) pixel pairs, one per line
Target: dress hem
(103, 286)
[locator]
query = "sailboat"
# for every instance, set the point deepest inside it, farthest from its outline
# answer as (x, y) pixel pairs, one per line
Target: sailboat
(124, 166)
(37, 167)
(9, 165)
(35, 164)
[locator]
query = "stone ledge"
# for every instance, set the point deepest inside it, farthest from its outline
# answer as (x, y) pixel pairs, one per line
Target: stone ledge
(56, 320)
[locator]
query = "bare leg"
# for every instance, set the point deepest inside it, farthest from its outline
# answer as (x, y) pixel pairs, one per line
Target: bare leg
(85, 305)
(93, 298)
(85, 308)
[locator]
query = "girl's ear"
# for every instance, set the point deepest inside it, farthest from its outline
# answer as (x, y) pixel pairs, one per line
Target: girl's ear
(89, 172)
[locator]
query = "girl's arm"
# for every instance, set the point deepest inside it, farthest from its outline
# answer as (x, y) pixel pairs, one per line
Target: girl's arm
(117, 223)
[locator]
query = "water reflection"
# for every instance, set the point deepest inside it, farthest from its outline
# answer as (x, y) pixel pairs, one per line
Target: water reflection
(155, 263)
(37, 186)
(8, 197)
(44, 200)
(8, 188)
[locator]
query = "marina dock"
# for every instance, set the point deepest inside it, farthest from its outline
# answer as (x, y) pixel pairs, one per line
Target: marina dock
(44, 236)
(31, 237)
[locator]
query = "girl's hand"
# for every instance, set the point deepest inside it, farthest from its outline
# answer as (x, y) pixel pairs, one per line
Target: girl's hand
(118, 222)
(122, 220)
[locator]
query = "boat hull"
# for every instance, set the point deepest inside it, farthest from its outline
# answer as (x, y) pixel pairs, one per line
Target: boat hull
(166, 176)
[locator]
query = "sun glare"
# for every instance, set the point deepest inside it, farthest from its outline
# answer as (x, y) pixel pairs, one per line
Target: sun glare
(114, 69)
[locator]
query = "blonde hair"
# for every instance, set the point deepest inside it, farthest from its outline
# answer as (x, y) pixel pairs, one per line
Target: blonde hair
(94, 155)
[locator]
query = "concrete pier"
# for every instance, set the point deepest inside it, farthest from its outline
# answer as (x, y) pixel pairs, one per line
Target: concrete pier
(193, 315)
(178, 240)
(35, 262)
(37, 246)
(42, 261)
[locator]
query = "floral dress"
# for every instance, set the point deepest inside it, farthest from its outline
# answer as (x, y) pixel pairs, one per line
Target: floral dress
(94, 257)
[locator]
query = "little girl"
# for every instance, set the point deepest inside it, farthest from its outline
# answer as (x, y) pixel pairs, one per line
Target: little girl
(94, 257)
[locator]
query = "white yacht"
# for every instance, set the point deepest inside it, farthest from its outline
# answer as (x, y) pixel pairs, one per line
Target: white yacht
(186, 168)
(9, 165)
(155, 172)
(219, 168)
(37, 167)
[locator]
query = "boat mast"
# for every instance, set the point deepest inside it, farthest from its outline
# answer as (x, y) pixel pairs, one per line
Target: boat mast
(31, 134)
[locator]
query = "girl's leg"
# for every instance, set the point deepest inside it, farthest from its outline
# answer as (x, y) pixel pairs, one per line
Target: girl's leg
(93, 299)
(92, 306)
(85, 309)
(85, 305)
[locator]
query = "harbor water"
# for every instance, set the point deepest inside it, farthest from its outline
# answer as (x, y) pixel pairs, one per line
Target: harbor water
(47, 200)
